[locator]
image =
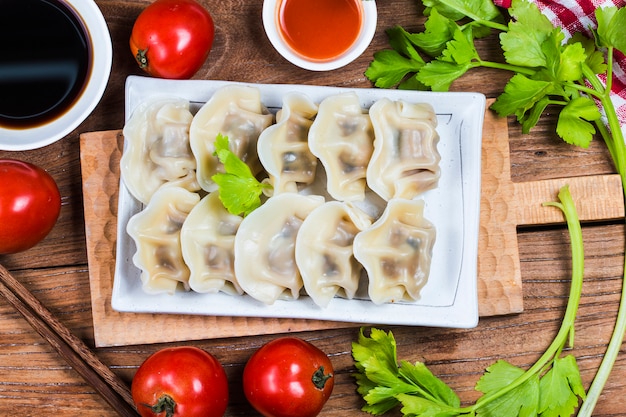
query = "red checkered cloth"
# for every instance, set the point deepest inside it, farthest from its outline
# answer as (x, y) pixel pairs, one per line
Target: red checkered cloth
(577, 16)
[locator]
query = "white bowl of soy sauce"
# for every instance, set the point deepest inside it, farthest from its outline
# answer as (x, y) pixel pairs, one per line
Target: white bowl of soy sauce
(55, 62)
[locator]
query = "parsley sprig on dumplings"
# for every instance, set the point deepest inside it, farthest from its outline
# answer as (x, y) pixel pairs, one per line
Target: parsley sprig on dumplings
(239, 190)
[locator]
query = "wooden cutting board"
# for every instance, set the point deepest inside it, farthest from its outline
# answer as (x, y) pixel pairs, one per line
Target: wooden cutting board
(504, 206)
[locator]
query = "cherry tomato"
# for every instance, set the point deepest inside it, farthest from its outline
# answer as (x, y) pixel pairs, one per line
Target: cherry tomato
(288, 377)
(29, 205)
(172, 38)
(183, 381)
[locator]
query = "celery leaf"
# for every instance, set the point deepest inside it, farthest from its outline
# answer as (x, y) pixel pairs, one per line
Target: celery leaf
(383, 385)
(400, 40)
(595, 59)
(389, 68)
(563, 62)
(459, 56)
(522, 43)
(531, 118)
(438, 31)
(439, 75)
(422, 407)
(560, 388)
(458, 9)
(520, 401)
(420, 375)
(239, 190)
(574, 126)
(611, 22)
(520, 94)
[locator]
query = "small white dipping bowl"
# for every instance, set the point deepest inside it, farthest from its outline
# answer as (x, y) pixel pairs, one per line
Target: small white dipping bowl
(17, 139)
(368, 29)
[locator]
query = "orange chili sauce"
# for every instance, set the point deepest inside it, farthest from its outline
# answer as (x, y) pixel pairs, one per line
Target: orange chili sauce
(320, 30)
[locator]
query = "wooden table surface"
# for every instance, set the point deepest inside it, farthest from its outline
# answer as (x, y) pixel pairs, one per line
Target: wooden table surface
(35, 380)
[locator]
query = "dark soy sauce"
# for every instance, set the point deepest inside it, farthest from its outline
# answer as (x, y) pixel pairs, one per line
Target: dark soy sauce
(44, 61)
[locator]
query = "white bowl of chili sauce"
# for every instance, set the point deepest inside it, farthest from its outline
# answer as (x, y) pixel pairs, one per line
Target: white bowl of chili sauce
(54, 71)
(320, 35)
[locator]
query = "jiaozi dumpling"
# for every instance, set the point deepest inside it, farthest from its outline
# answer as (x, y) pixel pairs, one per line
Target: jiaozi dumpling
(342, 138)
(405, 161)
(283, 148)
(265, 263)
(208, 243)
(157, 148)
(156, 232)
(396, 252)
(324, 251)
(234, 111)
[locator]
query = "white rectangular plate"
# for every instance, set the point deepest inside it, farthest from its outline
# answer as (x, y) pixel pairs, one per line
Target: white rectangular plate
(449, 299)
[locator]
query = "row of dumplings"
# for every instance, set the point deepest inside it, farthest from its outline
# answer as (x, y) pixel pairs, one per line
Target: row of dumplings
(390, 149)
(293, 242)
(296, 241)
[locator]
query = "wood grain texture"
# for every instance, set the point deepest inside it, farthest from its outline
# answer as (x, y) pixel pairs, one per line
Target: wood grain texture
(70, 347)
(36, 381)
(506, 206)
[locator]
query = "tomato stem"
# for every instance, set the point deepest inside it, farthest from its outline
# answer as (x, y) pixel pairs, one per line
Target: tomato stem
(319, 378)
(164, 404)
(141, 58)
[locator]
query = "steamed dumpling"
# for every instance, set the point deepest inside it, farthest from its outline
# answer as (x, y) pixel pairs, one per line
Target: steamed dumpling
(208, 244)
(157, 148)
(265, 263)
(283, 148)
(324, 252)
(405, 162)
(342, 138)
(156, 232)
(235, 111)
(396, 252)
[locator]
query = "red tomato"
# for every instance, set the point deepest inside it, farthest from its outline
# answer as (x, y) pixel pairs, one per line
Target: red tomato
(172, 38)
(180, 382)
(29, 205)
(288, 377)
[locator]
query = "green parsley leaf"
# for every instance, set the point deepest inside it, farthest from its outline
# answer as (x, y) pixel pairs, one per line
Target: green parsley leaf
(458, 9)
(421, 407)
(383, 384)
(239, 190)
(573, 124)
(461, 48)
(570, 65)
(421, 376)
(459, 56)
(520, 94)
(611, 22)
(522, 43)
(379, 344)
(530, 118)
(595, 58)
(563, 62)
(438, 31)
(439, 75)
(412, 83)
(521, 401)
(560, 388)
(389, 68)
(400, 40)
